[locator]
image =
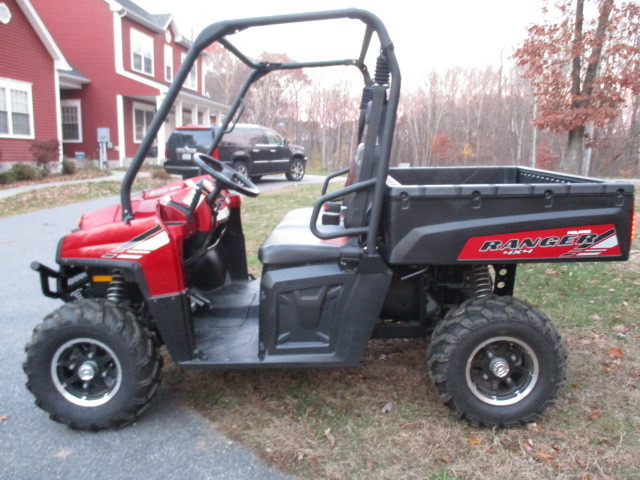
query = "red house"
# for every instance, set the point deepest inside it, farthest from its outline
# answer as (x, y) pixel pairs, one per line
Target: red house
(130, 57)
(32, 72)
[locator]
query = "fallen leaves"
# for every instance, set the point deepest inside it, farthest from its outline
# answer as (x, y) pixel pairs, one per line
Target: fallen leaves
(330, 438)
(545, 455)
(616, 353)
(533, 426)
(64, 453)
(387, 408)
(595, 414)
(586, 476)
(4, 417)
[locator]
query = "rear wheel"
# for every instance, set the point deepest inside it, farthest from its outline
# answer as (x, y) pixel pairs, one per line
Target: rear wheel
(92, 365)
(296, 170)
(497, 361)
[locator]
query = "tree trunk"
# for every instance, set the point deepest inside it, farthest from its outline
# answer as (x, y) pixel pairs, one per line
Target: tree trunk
(534, 133)
(588, 150)
(575, 150)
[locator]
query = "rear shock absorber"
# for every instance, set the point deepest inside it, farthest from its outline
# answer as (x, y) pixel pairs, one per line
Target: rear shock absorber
(115, 291)
(481, 279)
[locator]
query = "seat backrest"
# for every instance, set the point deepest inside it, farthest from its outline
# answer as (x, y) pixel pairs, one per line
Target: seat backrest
(355, 203)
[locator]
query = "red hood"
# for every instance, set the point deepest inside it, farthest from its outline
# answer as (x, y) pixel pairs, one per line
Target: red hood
(142, 205)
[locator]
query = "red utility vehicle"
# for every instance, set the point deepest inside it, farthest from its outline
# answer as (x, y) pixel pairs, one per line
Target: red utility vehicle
(397, 252)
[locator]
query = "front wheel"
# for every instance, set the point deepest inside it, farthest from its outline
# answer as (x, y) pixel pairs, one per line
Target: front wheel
(241, 167)
(91, 365)
(296, 170)
(497, 361)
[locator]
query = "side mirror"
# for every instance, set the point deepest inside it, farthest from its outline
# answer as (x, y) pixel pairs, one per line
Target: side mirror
(286, 142)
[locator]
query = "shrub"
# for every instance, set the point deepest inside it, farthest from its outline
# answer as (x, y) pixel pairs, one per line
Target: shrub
(7, 177)
(68, 167)
(45, 154)
(23, 171)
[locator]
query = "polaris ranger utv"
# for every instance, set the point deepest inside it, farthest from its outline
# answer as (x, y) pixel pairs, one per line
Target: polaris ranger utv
(397, 252)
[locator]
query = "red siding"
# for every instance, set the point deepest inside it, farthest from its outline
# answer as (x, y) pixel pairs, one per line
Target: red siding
(85, 36)
(25, 58)
(159, 42)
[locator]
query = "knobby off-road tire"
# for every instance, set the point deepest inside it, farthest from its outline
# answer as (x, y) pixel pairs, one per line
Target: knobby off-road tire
(497, 361)
(92, 365)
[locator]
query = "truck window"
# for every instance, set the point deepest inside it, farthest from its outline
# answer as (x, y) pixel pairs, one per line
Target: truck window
(256, 137)
(273, 139)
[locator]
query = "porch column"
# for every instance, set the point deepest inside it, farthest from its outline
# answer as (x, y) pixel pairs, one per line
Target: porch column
(122, 154)
(179, 107)
(161, 138)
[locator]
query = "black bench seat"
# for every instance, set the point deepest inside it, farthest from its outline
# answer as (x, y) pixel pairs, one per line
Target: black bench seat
(291, 242)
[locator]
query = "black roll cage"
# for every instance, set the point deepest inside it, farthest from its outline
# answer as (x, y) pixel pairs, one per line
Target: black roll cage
(219, 31)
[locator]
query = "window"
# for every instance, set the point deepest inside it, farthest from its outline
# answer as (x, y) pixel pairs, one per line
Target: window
(192, 79)
(71, 121)
(16, 109)
(141, 52)
(273, 138)
(168, 63)
(142, 117)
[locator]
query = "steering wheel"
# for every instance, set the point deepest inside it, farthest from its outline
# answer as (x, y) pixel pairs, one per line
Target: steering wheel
(226, 176)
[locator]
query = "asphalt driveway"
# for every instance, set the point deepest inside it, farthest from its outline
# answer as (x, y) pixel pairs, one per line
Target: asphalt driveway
(167, 442)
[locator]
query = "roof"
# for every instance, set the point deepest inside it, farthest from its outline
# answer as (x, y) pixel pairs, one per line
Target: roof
(157, 22)
(73, 79)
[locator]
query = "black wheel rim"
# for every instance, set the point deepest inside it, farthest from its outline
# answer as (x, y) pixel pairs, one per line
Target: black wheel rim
(502, 371)
(86, 372)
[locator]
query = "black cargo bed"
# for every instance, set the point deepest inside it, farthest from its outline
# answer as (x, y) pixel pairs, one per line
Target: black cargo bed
(444, 215)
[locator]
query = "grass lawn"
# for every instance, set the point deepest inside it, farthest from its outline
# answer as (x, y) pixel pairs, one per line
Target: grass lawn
(63, 195)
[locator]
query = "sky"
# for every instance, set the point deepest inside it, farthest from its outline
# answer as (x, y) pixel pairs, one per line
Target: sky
(427, 34)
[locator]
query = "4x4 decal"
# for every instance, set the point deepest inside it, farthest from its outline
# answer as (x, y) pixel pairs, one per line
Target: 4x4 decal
(582, 241)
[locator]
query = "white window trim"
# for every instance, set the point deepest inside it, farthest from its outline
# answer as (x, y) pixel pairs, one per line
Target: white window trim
(145, 107)
(187, 83)
(9, 84)
(145, 39)
(72, 103)
(168, 54)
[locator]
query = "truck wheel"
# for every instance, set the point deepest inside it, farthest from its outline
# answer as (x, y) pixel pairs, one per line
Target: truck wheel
(497, 361)
(241, 168)
(296, 170)
(91, 365)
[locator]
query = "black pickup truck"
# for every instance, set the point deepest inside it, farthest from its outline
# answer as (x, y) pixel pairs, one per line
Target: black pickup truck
(396, 252)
